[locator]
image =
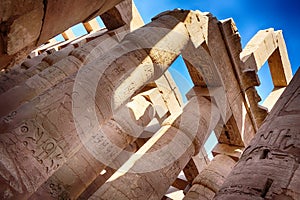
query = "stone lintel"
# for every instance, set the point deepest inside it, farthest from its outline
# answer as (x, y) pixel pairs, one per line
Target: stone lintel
(230, 150)
(68, 34)
(91, 26)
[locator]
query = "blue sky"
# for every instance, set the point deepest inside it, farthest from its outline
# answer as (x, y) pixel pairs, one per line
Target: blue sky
(250, 16)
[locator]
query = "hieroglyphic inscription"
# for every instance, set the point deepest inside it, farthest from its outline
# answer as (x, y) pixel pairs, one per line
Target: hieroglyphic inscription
(278, 143)
(58, 191)
(44, 148)
(10, 117)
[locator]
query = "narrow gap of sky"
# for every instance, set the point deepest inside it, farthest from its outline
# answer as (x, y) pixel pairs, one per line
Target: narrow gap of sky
(210, 143)
(78, 30)
(100, 22)
(266, 84)
(181, 76)
(59, 38)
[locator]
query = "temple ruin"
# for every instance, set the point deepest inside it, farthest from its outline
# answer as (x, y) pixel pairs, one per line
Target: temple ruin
(99, 116)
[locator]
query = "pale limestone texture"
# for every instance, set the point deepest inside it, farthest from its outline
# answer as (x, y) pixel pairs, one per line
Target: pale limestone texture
(25, 25)
(269, 166)
(99, 116)
(210, 179)
(153, 183)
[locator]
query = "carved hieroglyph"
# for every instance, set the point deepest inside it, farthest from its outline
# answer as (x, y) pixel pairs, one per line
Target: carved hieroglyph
(35, 130)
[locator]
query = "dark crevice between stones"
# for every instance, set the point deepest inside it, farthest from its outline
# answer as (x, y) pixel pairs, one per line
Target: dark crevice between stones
(266, 188)
(4, 30)
(45, 3)
(227, 134)
(264, 154)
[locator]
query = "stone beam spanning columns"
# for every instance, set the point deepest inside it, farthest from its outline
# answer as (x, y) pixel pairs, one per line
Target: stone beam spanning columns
(125, 13)
(68, 34)
(140, 58)
(157, 164)
(266, 45)
(91, 26)
(213, 73)
(210, 179)
(269, 167)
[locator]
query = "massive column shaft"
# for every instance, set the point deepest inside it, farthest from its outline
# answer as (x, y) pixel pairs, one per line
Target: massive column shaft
(210, 179)
(269, 167)
(35, 142)
(40, 82)
(82, 168)
(157, 164)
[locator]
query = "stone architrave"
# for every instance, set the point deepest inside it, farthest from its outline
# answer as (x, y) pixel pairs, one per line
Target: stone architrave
(91, 26)
(125, 13)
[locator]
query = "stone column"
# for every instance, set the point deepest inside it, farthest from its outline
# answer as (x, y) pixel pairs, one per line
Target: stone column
(269, 166)
(26, 136)
(30, 68)
(149, 173)
(209, 181)
(82, 168)
(40, 82)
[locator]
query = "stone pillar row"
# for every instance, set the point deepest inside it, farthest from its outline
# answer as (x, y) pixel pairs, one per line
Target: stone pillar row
(20, 84)
(152, 170)
(16, 74)
(34, 143)
(64, 63)
(40, 21)
(31, 67)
